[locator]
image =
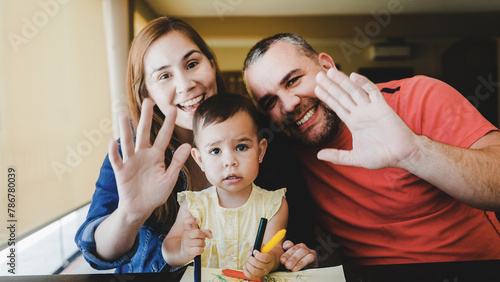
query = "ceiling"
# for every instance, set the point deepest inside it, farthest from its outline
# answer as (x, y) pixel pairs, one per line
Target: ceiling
(227, 8)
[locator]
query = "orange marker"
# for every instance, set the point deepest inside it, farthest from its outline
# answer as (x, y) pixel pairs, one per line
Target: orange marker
(239, 274)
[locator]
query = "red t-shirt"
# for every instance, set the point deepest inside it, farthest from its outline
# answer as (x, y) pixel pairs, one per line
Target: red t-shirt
(391, 216)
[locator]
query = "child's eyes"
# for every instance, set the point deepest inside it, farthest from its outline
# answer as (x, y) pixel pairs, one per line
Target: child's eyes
(215, 151)
(241, 147)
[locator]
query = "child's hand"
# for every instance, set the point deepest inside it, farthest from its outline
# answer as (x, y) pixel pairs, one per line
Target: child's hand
(193, 239)
(259, 265)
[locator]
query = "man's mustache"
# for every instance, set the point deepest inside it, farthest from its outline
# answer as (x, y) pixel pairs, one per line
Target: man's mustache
(289, 118)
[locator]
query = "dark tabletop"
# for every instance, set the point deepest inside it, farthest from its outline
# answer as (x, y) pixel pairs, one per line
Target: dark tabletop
(477, 271)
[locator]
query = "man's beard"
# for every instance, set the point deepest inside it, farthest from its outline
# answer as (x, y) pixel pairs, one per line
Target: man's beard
(323, 135)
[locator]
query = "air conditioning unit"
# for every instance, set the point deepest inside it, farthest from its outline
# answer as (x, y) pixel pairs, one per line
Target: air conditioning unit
(390, 51)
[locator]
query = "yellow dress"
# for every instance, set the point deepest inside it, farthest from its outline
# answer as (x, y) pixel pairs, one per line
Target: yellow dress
(233, 230)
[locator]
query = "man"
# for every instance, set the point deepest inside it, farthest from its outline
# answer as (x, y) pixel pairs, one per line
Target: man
(399, 172)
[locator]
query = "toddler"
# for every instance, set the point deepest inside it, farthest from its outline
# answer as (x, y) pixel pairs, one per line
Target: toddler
(221, 222)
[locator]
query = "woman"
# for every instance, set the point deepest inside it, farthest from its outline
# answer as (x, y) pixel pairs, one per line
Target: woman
(134, 204)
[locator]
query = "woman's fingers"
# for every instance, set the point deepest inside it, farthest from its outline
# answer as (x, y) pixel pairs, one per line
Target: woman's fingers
(126, 139)
(179, 158)
(163, 138)
(144, 126)
(114, 156)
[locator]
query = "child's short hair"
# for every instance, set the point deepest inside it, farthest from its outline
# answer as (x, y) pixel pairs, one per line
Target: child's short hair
(221, 107)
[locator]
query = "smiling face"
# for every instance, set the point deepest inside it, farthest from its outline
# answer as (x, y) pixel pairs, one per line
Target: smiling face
(229, 153)
(177, 73)
(283, 82)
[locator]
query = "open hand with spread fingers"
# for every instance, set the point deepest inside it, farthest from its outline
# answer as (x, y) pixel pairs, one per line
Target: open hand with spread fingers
(380, 137)
(143, 180)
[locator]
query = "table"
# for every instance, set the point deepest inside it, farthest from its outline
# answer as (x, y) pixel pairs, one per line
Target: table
(476, 271)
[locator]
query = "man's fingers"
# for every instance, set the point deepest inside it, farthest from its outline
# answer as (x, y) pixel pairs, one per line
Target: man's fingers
(305, 261)
(292, 261)
(368, 86)
(144, 126)
(289, 258)
(341, 157)
(298, 257)
(324, 96)
(335, 91)
(355, 92)
(287, 245)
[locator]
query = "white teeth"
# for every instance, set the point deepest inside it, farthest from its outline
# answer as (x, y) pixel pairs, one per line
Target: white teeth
(191, 102)
(307, 116)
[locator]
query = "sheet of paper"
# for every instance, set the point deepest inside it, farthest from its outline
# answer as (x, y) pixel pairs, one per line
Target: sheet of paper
(334, 274)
